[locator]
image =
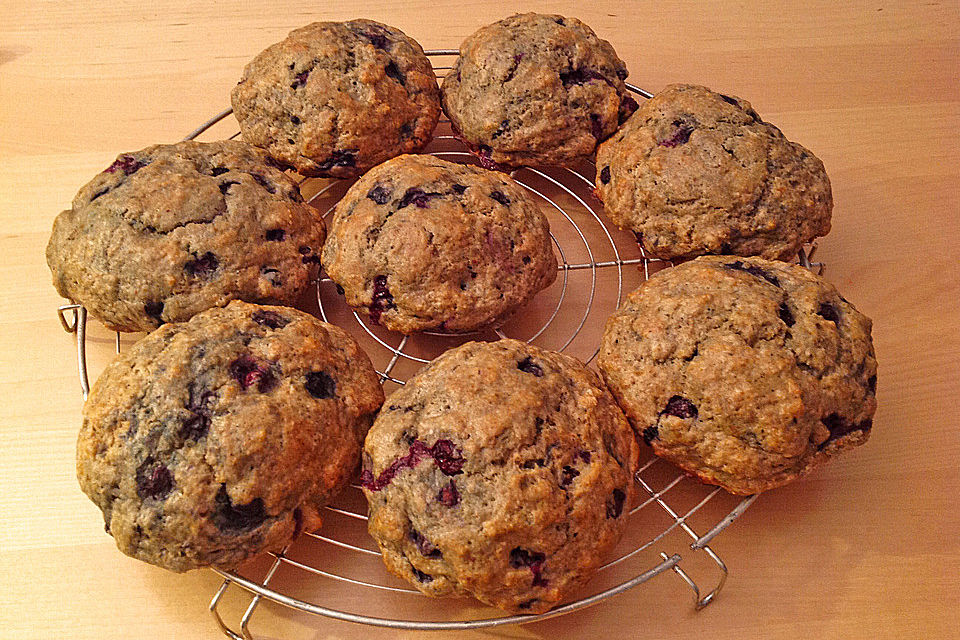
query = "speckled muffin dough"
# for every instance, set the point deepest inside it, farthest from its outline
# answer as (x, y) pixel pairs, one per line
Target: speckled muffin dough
(694, 172)
(171, 230)
(336, 98)
(536, 89)
(420, 243)
(501, 471)
(746, 372)
(214, 440)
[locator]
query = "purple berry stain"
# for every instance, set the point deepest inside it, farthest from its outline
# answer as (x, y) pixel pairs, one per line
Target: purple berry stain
(449, 496)
(680, 407)
(445, 455)
(417, 197)
(320, 385)
(379, 194)
(203, 266)
(426, 548)
(153, 480)
(299, 80)
(270, 319)
(382, 299)
(533, 560)
(128, 164)
(680, 135)
(247, 371)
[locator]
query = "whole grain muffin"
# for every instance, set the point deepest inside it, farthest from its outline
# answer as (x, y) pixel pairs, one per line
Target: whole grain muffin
(336, 98)
(214, 440)
(694, 172)
(746, 372)
(501, 471)
(536, 89)
(168, 231)
(421, 243)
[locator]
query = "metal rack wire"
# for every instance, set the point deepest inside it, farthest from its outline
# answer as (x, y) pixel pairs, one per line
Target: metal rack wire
(596, 265)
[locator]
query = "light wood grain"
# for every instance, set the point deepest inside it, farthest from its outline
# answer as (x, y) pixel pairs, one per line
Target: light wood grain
(866, 547)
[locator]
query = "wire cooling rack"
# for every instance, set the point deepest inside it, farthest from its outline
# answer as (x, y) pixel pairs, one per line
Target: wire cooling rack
(338, 572)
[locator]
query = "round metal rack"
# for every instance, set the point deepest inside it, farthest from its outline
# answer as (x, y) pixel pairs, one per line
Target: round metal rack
(329, 572)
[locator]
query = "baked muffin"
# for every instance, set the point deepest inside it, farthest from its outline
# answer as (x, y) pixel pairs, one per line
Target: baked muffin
(422, 243)
(336, 98)
(501, 471)
(168, 231)
(216, 439)
(536, 89)
(745, 372)
(694, 172)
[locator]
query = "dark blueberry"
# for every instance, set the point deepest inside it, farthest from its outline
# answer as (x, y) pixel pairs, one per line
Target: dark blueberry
(272, 276)
(567, 476)
(596, 126)
(99, 193)
(216, 171)
(449, 496)
(225, 186)
(584, 455)
(339, 158)
(829, 312)
(680, 135)
(627, 106)
(248, 372)
(153, 480)
(872, 383)
(382, 299)
(729, 100)
(527, 365)
(447, 458)
(786, 315)
(406, 129)
(394, 72)
(424, 546)
(650, 434)
(526, 259)
(755, 271)
(605, 175)
(615, 504)
(377, 39)
(502, 129)
(203, 266)
(236, 518)
(421, 576)
(275, 235)
(580, 76)
(560, 22)
(270, 319)
(531, 464)
(379, 194)
(128, 164)
(520, 558)
(458, 189)
(154, 310)
(499, 197)
(195, 427)
(299, 80)
(680, 407)
(295, 120)
(526, 604)
(639, 237)
(416, 196)
(320, 385)
(263, 182)
(840, 426)
(622, 73)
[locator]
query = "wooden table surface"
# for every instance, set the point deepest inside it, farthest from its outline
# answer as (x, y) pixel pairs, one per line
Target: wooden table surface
(865, 547)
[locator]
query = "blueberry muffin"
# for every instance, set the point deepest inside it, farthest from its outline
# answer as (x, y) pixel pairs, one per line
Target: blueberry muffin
(745, 372)
(336, 98)
(536, 89)
(501, 471)
(171, 230)
(421, 243)
(216, 439)
(694, 172)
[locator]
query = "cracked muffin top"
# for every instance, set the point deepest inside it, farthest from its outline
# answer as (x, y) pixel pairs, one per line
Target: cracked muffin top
(695, 172)
(336, 98)
(746, 372)
(213, 440)
(502, 471)
(171, 230)
(536, 89)
(422, 243)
